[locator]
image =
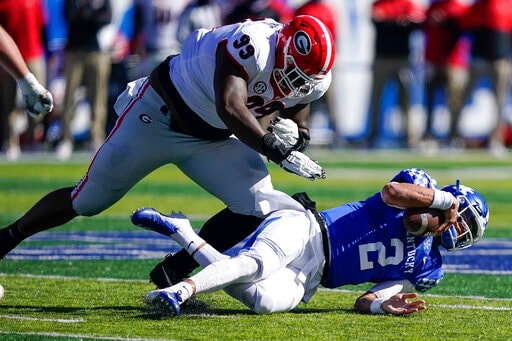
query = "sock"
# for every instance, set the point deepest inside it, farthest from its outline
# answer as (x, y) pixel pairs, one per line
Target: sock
(222, 231)
(189, 240)
(207, 255)
(216, 276)
(15, 233)
(10, 237)
(184, 289)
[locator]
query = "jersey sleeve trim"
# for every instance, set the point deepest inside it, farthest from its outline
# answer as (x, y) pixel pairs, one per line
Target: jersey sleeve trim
(222, 44)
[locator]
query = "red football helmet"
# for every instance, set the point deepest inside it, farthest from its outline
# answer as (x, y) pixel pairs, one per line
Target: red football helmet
(305, 53)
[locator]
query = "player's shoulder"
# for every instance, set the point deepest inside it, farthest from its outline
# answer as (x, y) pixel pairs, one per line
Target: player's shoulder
(251, 44)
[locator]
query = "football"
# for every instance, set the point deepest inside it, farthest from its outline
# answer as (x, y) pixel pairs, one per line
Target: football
(422, 221)
(2, 291)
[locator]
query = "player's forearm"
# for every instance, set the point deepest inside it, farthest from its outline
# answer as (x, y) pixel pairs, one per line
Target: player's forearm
(245, 127)
(10, 56)
(407, 195)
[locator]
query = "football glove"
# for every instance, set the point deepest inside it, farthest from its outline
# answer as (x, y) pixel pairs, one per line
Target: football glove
(37, 100)
(300, 164)
(287, 132)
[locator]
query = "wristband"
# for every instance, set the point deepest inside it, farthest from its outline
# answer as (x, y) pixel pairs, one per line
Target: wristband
(442, 200)
(376, 306)
(25, 83)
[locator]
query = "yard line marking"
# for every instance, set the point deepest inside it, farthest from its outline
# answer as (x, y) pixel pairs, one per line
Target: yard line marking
(82, 336)
(481, 298)
(475, 307)
(101, 279)
(26, 318)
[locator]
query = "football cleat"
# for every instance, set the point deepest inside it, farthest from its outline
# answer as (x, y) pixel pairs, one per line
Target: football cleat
(163, 302)
(151, 219)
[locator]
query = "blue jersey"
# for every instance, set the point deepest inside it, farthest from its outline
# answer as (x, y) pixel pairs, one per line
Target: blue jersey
(368, 243)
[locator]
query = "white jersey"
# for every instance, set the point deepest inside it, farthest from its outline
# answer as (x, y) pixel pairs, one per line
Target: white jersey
(251, 45)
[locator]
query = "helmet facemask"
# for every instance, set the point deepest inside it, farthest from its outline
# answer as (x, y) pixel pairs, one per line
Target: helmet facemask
(290, 79)
(472, 224)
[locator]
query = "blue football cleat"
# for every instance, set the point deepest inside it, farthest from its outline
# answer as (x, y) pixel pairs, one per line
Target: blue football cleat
(163, 302)
(151, 219)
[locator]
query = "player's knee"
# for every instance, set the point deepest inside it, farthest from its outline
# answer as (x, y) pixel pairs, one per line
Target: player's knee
(268, 304)
(89, 205)
(86, 210)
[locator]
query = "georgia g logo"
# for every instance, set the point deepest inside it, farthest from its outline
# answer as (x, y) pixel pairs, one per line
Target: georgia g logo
(302, 43)
(145, 118)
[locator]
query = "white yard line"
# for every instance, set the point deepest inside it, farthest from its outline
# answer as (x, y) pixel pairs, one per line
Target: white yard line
(81, 336)
(474, 307)
(27, 318)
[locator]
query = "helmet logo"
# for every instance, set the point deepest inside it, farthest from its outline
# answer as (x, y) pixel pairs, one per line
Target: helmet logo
(302, 43)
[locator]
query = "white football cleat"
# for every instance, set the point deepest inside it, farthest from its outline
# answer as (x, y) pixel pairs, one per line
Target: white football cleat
(163, 302)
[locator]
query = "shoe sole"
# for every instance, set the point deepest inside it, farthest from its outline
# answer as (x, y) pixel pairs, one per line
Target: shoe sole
(163, 306)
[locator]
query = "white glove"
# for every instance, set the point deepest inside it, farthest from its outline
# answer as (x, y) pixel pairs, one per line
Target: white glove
(285, 130)
(300, 164)
(38, 100)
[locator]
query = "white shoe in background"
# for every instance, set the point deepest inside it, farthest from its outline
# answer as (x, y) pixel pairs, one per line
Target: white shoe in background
(13, 153)
(64, 150)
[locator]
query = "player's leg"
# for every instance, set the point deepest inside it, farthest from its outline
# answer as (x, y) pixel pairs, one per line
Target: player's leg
(224, 230)
(280, 292)
(272, 249)
(219, 271)
(122, 161)
(52, 210)
(235, 173)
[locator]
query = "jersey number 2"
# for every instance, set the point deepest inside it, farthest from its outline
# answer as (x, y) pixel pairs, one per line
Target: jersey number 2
(382, 254)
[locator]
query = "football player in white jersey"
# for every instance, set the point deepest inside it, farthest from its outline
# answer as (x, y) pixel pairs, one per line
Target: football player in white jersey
(295, 249)
(199, 110)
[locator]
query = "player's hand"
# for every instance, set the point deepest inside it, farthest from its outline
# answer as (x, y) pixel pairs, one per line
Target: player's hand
(287, 132)
(300, 164)
(399, 304)
(451, 216)
(37, 100)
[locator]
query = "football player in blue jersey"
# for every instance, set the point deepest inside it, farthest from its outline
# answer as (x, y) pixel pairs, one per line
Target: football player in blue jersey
(296, 249)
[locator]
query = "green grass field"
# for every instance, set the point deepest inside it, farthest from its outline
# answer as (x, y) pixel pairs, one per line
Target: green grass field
(101, 299)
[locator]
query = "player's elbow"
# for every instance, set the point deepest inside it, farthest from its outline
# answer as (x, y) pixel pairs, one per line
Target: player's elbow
(361, 306)
(390, 192)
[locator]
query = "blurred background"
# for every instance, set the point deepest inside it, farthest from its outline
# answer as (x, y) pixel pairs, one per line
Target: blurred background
(424, 75)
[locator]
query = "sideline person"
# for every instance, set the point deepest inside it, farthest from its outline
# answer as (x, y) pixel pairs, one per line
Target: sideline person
(199, 110)
(37, 99)
(296, 249)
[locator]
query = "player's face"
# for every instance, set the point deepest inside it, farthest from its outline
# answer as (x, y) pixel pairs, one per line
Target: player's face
(465, 224)
(292, 81)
